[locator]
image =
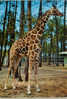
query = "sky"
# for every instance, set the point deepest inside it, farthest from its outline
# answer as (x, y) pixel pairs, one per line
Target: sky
(34, 9)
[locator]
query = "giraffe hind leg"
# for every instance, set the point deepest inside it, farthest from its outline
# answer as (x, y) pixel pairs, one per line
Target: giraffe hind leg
(11, 65)
(9, 70)
(16, 62)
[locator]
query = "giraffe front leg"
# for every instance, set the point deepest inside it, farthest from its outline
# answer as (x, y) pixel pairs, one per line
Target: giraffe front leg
(36, 75)
(36, 79)
(29, 77)
(16, 62)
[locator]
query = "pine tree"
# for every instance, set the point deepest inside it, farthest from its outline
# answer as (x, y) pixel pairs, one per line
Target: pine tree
(40, 14)
(3, 35)
(22, 16)
(29, 28)
(65, 34)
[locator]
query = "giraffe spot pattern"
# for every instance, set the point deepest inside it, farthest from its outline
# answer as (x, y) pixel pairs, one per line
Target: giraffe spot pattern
(35, 46)
(31, 42)
(33, 53)
(28, 38)
(27, 43)
(40, 31)
(31, 47)
(34, 32)
(36, 41)
(28, 34)
(37, 28)
(33, 37)
(22, 50)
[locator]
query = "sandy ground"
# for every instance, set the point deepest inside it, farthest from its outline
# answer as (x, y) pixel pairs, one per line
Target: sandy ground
(52, 79)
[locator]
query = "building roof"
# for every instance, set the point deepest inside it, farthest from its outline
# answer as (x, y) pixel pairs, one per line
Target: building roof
(63, 53)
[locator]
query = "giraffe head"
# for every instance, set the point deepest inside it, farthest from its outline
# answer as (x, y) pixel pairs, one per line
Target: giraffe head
(55, 11)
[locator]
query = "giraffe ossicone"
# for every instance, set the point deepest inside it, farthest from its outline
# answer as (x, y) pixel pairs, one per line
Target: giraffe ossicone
(29, 46)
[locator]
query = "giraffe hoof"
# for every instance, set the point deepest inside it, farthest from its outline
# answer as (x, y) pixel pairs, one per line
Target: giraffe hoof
(14, 87)
(29, 92)
(5, 87)
(38, 89)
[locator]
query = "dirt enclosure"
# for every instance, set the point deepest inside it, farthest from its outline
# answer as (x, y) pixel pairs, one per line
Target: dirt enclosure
(52, 79)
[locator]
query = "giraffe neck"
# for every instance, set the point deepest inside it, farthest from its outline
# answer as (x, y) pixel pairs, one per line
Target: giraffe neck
(41, 23)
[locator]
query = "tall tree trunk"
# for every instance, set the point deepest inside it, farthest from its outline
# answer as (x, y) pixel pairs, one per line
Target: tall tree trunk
(40, 14)
(0, 50)
(26, 68)
(15, 14)
(13, 34)
(22, 20)
(57, 47)
(29, 28)
(2, 42)
(5, 43)
(7, 31)
(65, 34)
(14, 21)
(40, 9)
(50, 50)
(29, 15)
(49, 59)
(21, 35)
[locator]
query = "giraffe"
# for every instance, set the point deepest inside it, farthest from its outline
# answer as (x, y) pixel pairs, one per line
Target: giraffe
(30, 47)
